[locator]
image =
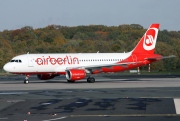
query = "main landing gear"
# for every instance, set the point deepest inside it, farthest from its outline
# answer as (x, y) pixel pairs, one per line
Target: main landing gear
(70, 81)
(90, 79)
(26, 80)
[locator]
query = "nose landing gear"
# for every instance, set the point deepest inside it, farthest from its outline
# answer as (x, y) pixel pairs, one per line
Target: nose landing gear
(26, 80)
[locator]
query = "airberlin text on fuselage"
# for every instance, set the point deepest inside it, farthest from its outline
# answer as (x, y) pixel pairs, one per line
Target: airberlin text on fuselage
(60, 60)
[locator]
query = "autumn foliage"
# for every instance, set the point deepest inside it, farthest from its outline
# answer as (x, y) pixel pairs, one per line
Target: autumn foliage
(83, 39)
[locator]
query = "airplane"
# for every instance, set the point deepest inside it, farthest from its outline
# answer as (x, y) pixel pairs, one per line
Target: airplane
(77, 66)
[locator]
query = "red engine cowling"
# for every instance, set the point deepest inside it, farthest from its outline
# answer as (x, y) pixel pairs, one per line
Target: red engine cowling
(75, 74)
(45, 76)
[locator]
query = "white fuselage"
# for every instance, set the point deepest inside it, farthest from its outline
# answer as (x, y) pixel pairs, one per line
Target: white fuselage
(61, 62)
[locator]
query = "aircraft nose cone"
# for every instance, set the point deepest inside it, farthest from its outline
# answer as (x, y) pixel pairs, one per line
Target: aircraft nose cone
(7, 67)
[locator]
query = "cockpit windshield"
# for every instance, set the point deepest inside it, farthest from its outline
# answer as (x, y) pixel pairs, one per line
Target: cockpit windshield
(17, 61)
(12, 60)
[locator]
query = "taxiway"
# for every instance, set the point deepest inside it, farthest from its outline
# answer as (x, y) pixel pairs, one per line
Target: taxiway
(111, 97)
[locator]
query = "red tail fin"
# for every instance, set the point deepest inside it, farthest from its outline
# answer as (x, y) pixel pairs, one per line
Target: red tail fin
(148, 41)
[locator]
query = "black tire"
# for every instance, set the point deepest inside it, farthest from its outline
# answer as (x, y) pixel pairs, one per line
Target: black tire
(26, 81)
(91, 80)
(88, 79)
(70, 81)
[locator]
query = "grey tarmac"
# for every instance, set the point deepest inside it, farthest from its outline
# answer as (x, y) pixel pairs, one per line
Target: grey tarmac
(110, 98)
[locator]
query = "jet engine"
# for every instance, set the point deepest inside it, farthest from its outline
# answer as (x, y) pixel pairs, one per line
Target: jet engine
(75, 74)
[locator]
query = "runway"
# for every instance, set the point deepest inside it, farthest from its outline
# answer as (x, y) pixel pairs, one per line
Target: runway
(130, 81)
(110, 98)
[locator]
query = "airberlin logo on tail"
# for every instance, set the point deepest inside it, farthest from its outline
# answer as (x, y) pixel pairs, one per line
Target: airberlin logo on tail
(150, 39)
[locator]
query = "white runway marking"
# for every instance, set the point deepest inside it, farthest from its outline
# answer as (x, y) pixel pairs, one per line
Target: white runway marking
(55, 119)
(177, 105)
(12, 93)
(3, 118)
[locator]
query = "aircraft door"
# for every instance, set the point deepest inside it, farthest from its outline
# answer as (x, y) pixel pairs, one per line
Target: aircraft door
(134, 59)
(30, 62)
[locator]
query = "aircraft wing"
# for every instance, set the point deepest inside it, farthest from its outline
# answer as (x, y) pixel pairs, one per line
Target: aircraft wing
(92, 67)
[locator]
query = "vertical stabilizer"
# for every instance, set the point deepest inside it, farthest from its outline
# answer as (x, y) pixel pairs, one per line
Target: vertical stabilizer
(148, 41)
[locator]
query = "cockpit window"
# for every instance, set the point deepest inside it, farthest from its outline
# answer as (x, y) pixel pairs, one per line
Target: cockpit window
(17, 61)
(12, 61)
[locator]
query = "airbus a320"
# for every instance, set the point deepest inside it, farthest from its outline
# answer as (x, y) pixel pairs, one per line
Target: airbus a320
(77, 66)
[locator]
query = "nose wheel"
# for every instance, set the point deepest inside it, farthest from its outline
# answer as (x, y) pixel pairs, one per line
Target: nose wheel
(26, 80)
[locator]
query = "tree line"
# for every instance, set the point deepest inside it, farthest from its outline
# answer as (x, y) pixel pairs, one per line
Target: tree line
(87, 39)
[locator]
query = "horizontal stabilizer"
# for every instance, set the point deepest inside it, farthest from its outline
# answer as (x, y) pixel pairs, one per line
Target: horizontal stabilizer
(160, 57)
(171, 56)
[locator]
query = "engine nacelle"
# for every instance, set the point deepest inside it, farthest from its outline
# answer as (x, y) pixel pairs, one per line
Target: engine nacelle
(45, 76)
(75, 74)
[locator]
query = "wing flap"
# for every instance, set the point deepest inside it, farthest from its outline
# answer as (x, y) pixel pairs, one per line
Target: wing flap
(102, 66)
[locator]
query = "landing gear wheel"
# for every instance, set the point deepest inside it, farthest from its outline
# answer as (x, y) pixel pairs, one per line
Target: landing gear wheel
(90, 79)
(70, 81)
(26, 81)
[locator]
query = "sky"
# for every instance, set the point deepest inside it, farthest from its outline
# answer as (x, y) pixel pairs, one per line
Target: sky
(15, 14)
